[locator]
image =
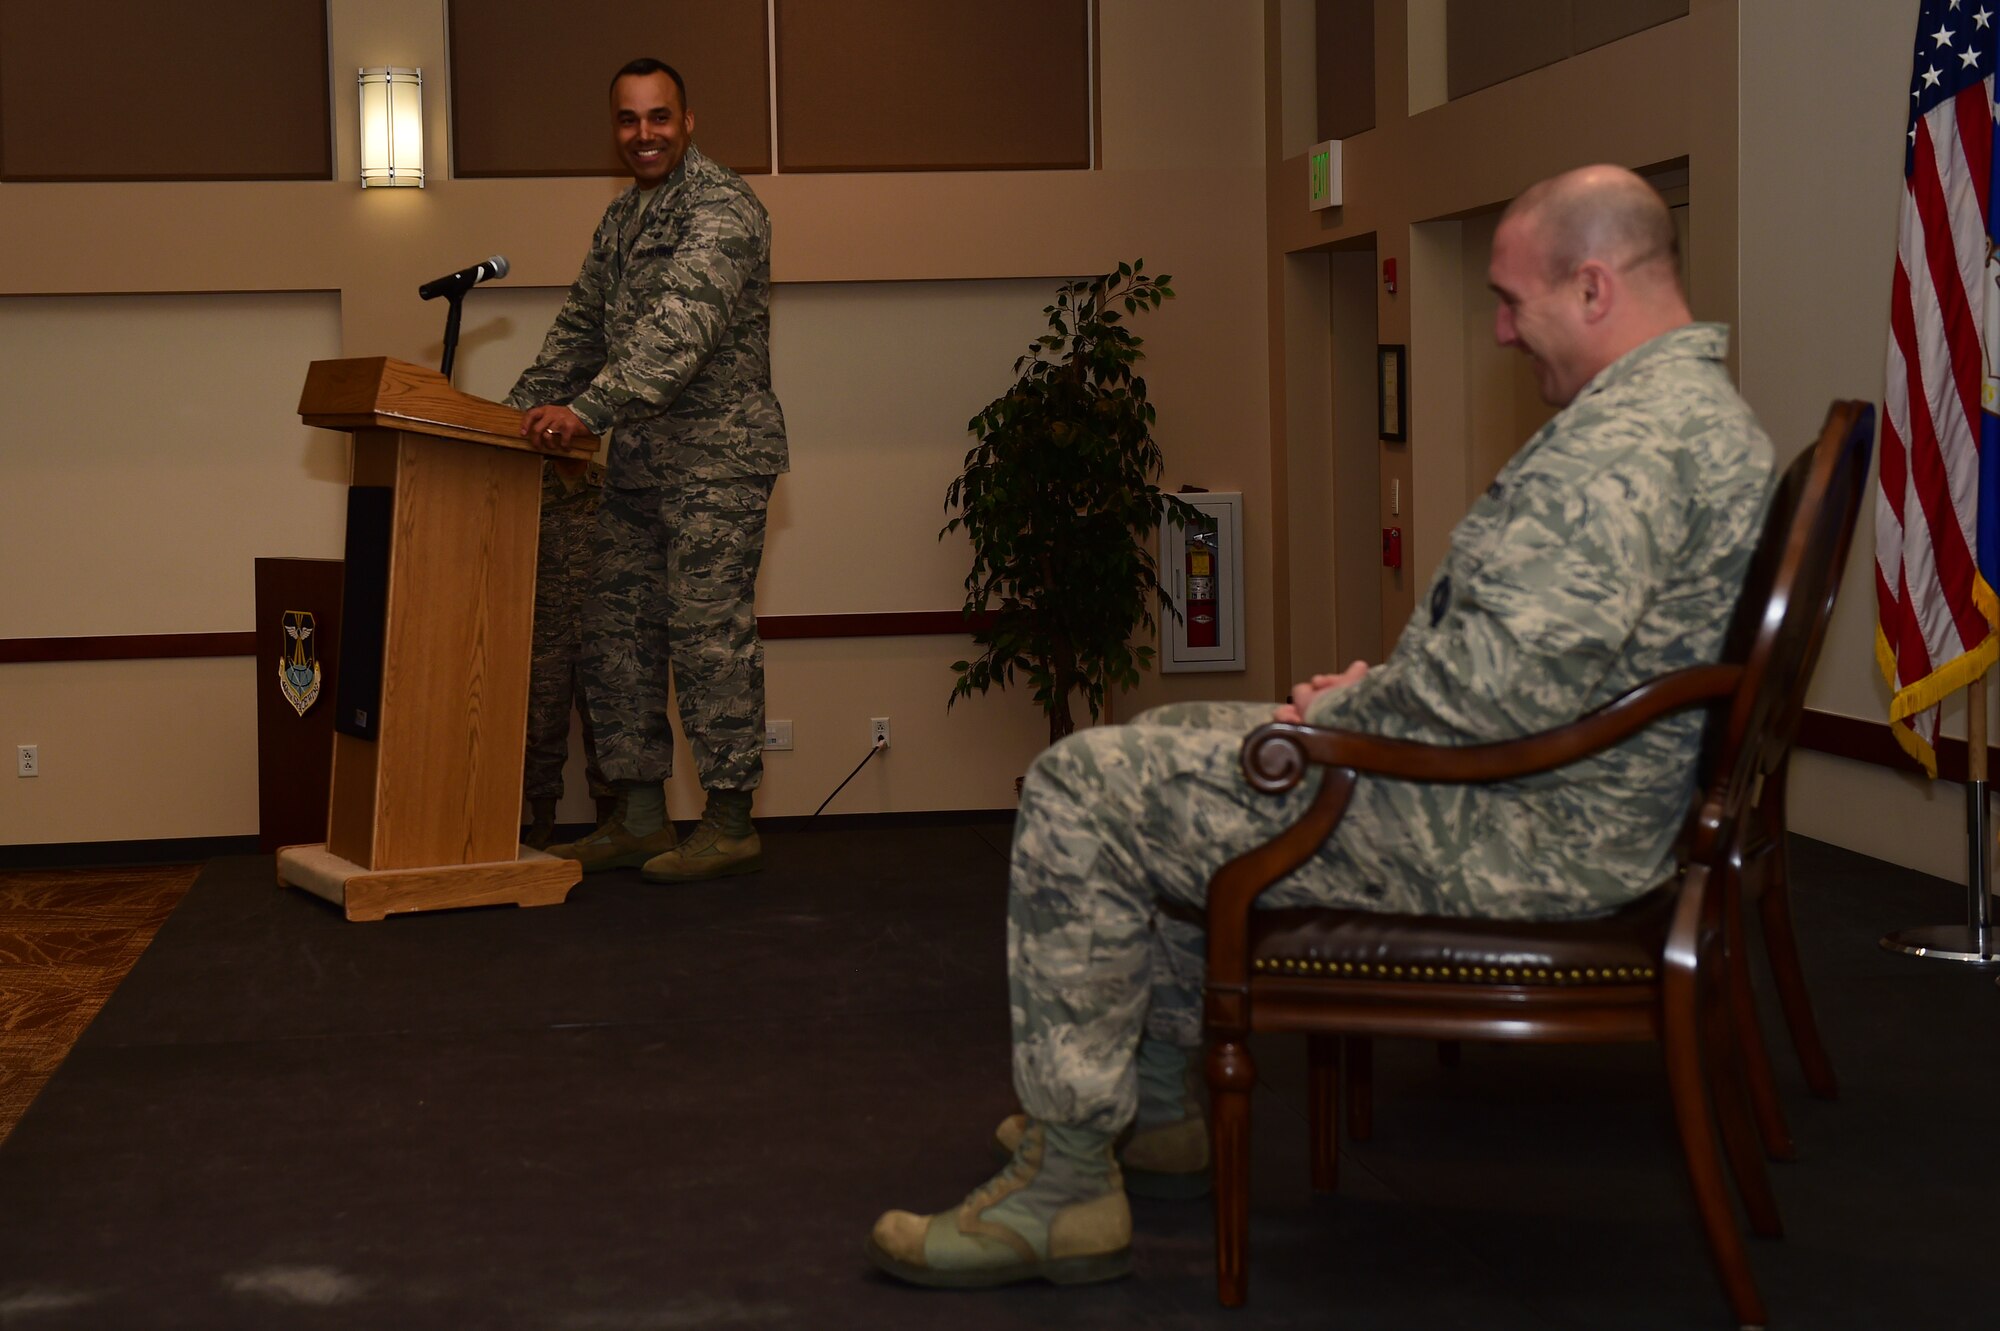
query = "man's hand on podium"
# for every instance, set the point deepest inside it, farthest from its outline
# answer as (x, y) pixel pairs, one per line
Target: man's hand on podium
(551, 427)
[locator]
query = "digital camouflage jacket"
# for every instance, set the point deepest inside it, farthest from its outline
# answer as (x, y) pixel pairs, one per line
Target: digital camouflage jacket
(665, 339)
(1610, 549)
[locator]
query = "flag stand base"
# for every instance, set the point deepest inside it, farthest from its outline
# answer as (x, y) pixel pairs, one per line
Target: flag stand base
(1974, 942)
(1947, 942)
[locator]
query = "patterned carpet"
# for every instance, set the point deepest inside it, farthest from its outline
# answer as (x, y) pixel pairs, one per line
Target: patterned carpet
(67, 937)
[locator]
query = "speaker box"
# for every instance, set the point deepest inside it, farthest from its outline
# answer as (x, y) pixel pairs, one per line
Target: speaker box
(364, 610)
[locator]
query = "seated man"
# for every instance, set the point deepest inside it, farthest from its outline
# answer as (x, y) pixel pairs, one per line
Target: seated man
(1610, 549)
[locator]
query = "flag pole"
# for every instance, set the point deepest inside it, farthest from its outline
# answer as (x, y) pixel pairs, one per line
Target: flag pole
(1974, 941)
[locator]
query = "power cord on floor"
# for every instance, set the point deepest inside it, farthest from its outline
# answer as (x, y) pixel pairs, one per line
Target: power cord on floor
(873, 749)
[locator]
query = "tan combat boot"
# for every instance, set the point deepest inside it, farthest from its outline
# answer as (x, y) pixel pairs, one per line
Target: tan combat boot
(724, 845)
(637, 830)
(1164, 1153)
(541, 824)
(1057, 1212)
(1170, 1161)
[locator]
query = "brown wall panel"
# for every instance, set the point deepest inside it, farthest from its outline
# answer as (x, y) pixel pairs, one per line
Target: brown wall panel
(137, 90)
(1344, 67)
(915, 85)
(1490, 41)
(530, 81)
(1594, 23)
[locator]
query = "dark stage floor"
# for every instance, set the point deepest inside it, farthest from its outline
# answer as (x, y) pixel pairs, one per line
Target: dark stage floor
(657, 1108)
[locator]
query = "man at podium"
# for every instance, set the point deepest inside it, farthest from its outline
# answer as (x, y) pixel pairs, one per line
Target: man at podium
(664, 344)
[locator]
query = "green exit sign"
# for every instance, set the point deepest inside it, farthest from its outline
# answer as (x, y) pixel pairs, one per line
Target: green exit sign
(1323, 167)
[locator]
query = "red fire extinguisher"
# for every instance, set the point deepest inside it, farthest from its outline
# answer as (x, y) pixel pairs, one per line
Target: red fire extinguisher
(1202, 624)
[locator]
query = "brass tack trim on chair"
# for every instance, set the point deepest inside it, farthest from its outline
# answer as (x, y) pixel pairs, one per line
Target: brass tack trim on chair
(1470, 974)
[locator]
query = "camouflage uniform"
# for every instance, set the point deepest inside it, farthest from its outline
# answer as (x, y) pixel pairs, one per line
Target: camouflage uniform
(664, 343)
(562, 590)
(1609, 550)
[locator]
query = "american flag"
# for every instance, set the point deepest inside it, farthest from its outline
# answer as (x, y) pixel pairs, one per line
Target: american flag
(1937, 518)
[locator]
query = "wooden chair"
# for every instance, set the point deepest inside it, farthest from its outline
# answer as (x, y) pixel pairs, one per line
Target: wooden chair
(1759, 875)
(1657, 970)
(1762, 877)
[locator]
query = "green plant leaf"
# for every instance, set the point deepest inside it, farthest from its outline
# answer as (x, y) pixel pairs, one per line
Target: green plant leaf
(1056, 499)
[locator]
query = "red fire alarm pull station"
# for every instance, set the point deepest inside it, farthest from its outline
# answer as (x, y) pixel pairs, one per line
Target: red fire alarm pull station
(1392, 547)
(1389, 276)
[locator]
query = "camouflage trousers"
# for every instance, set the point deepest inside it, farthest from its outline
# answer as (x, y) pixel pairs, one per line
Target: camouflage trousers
(675, 607)
(1117, 820)
(555, 684)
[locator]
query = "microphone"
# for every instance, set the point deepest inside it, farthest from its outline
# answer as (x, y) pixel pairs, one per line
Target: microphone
(458, 283)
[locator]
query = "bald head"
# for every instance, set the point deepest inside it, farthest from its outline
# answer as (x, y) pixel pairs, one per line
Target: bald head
(1586, 268)
(1605, 213)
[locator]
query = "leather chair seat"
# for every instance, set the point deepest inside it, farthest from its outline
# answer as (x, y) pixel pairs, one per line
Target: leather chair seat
(1620, 948)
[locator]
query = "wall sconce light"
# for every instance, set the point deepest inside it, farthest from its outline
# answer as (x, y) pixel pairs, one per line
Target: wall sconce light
(392, 127)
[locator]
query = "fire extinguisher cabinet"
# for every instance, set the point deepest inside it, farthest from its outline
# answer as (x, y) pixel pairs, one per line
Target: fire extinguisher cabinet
(1202, 570)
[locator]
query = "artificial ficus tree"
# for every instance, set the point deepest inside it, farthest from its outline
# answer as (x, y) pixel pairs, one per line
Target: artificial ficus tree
(1058, 497)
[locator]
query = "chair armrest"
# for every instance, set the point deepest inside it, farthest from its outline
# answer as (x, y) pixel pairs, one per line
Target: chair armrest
(1276, 755)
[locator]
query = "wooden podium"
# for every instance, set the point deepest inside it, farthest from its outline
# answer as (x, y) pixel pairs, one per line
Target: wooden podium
(425, 806)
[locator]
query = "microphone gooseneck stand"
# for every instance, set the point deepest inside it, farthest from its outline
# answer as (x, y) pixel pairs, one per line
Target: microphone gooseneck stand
(457, 302)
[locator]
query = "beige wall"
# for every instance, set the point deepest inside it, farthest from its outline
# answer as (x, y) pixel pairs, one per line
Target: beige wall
(1313, 588)
(140, 509)
(1821, 187)
(902, 302)
(153, 453)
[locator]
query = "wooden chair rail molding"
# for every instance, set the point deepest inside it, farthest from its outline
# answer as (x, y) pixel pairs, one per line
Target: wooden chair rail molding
(127, 647)
(165, 646)
(1867, 741)
(1848, 737)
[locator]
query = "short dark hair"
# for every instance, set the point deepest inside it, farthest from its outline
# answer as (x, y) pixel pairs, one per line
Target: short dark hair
(644, 65)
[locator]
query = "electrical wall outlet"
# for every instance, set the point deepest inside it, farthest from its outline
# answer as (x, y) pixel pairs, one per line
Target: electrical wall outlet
(878, 732)
(777, 734)
(28, 759)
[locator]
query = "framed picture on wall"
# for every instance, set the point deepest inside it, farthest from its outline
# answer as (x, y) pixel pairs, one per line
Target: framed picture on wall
(1391, 393)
